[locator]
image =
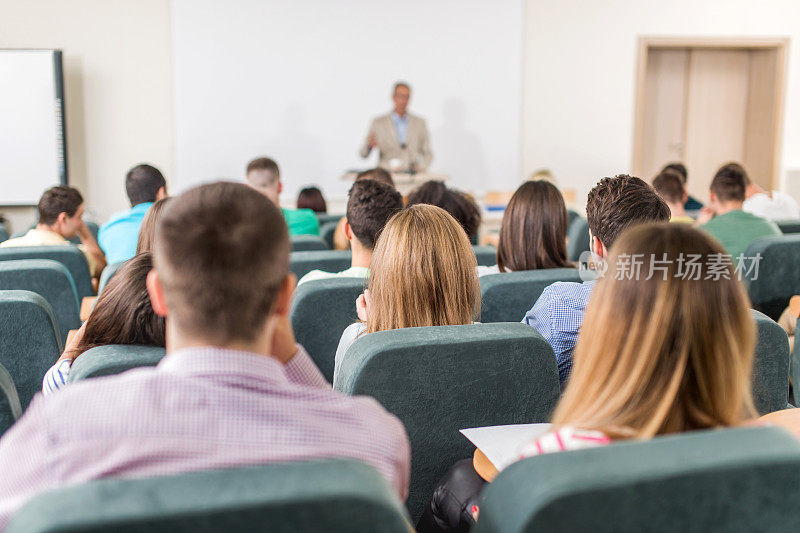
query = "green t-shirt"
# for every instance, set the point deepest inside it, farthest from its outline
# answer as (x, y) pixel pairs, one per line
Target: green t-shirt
(737, 229)
(301, 221)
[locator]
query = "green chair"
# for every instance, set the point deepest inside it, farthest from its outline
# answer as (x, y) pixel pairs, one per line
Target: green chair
(486, 255)
(572, 215)
(789, 226)
(107, 274)
(770, 365)
(10, 408)
(732, 480)
(508, 296)
(319, 333)
(70, 256)
(301, 263)
(327, 232)
(325, 218)
(114, 359)
(30, 340)
(438, 380)
(305, 243)
(3, 232)
(577, 238)
(318, 496)
(778, 275)
(50, 280)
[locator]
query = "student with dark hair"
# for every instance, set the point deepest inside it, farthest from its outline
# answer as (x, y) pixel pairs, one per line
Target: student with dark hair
(340, 240)
(691, 203)
(376, 173)
(724, 219)
(61, 218)
(614, 205)
(122, 315)
(144, 184)
(369, 206)
(460, 206)
(264, 176)
(533, 234)
(234, 388)
(669, 186)
(311, 198)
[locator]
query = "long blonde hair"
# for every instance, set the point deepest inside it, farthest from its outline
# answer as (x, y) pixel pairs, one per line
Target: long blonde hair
(665, 354)
(422, 272)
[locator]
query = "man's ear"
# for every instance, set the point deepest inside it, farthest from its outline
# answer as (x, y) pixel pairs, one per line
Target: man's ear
(597, 247)
(61, 218)
(348, 231)
(712, 197)
(283, 302)
(156, 292)
(161, 193)
(280, 186)
(685, 197)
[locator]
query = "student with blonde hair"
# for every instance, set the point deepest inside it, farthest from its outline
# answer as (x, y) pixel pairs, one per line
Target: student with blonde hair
(422, 274)
(663, 350)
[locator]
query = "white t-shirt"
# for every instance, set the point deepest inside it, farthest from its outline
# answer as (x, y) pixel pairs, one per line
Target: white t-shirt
(780, 207)
(352, 272)
(487, 270)
(348, 337)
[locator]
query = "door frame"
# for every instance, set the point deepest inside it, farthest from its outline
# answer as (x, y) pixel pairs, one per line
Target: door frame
(779, 44)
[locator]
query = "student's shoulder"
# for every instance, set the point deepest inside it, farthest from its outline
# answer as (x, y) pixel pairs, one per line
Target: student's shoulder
(316, 275)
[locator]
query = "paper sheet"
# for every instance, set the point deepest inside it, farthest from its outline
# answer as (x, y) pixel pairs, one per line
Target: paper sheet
(501, 444)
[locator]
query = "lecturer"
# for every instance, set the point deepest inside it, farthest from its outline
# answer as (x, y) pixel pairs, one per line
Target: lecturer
(401, 138)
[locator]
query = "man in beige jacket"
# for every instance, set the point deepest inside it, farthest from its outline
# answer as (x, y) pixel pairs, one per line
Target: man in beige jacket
(399, 136)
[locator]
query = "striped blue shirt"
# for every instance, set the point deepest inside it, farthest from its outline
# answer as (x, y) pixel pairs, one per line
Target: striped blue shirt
(557, 315)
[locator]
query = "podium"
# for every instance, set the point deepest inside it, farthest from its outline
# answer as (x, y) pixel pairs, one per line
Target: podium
(404, 182)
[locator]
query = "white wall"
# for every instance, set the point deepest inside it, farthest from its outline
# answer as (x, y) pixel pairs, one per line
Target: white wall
(580, 75)
(118, 88)
(300, 81)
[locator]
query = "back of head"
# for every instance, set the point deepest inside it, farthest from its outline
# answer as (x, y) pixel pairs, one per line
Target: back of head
(123, 313)
(666, 346)
(376, 173)
(369, 206)
(147, 231)
(618, 203)
(729, 183)
(534, 229)
(57, 200)
(680, 168)
(263, 173)
(142, 184)
(221, 253)
(423, 272)
(669, 186)
(460, 206)
(311, 198)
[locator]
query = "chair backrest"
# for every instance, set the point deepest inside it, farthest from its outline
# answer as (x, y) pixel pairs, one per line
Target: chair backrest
(438, 380)
(578, 238)
(321, 311)
(30, 343)
(571, 216)
(3, 232)
(50, 280)
(778, 275)
(318, 496)
(327, 232)
(486, 255)
(508, 296)
(325, 218)
(70, 256)
(108, 273)
(301, 263)
(10, 408)
(770, 365)
(789, 226)
(304, 243)
(113, 359)
(745, 479)
(794, 365)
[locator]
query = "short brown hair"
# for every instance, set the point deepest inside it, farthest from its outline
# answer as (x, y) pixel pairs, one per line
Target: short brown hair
(57, 200)
(376, 173)
(370, 205)
(669, 185)
(147, 231)
(729, 183)
(267, 164)
(221, 253)
(534, 229)
(460, 206)
(620, 202)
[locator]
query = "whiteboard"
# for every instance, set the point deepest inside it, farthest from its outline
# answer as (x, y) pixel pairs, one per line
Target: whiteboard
(31, 125)
(300, 82)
